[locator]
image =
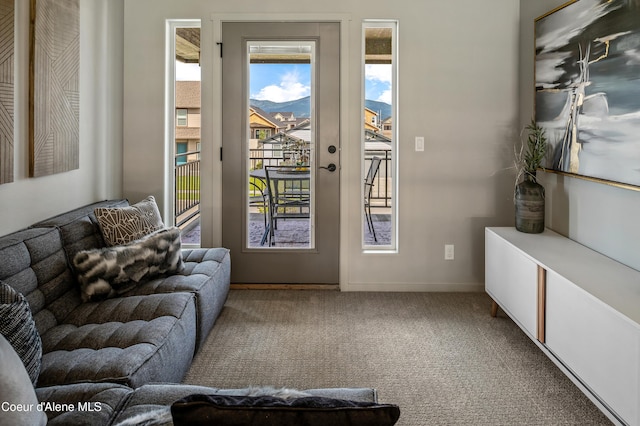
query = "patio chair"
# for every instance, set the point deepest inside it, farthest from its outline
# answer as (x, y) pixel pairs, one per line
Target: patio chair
(288, 198)
(368, 188)
(258, 197)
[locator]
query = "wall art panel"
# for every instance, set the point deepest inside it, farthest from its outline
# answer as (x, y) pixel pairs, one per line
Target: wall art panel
(7, 22)
(54, 86)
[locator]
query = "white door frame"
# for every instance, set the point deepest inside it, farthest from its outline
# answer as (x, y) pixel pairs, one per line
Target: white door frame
(211, 222)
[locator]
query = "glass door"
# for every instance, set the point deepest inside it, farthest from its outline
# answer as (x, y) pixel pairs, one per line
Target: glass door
(281, 140)
(281, 145)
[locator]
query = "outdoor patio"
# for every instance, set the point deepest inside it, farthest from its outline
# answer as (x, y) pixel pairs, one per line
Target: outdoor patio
(293, 232)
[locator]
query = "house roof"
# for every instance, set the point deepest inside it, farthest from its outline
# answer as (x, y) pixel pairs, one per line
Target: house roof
(264, 116)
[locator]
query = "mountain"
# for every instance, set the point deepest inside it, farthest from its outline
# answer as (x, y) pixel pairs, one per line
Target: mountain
(299, 108)
(383, 109)
(302, 107)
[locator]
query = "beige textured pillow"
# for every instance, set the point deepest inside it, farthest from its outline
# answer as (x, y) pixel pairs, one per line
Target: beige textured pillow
(121, 225)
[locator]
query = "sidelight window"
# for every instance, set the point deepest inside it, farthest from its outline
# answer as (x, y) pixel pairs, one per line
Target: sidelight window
(379, 135)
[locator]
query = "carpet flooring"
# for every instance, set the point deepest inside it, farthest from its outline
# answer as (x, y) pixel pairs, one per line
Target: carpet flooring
(440, 356)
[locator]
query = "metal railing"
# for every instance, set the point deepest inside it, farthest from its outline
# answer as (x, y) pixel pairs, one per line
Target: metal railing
(381, 195)
(382, 184)
(187, 187)
(187, 179)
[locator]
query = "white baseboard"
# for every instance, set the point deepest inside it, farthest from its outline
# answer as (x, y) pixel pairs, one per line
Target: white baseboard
(414, 287)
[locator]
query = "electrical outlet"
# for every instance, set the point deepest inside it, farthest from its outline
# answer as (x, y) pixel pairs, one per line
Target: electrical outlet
(419, 143)
(448, 252)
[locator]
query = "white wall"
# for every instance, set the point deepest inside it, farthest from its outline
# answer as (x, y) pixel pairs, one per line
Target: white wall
(28, 200)
(458, 87)
(602, 217)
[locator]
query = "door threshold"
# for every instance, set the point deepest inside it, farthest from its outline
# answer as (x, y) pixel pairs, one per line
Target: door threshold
(330, 287)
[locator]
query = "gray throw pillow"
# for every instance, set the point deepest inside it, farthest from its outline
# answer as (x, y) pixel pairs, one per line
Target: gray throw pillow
(121, 225)
(19, 328)
(111, 271)
(221, 410)
(17, 391)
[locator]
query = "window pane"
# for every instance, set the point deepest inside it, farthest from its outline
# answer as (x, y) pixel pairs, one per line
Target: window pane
(379, 135)
(187, 89)
(181, 117)
(280, 193)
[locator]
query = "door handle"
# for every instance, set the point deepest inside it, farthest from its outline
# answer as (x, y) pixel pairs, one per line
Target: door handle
(331, 167)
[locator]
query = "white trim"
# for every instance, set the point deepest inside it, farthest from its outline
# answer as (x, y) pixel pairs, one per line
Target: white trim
(218, 18)
(415, 287)
(170, 113)
(393, 248)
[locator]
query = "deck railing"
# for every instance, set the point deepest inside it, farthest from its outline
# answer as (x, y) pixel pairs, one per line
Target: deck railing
(187, 179)
(381, 195)
(187, 187)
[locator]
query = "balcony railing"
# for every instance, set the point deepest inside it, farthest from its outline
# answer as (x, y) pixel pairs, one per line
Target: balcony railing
(381, 195)
(187, 179)
(187, 187)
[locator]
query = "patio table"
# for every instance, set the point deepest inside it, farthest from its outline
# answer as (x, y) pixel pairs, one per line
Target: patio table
(278, 174)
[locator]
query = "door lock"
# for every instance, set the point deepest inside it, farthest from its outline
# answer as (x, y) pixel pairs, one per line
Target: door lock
(332, 149)
(331, 167)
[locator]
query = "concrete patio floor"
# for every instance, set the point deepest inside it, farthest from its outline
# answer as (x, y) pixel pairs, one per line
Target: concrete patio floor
(292, 232)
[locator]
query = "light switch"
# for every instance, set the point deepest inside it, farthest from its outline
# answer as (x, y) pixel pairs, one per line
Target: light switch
(419, 143)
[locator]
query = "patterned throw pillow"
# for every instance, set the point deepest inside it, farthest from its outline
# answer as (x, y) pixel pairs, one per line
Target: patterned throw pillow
(19, 328)
(111, 271)
(121, 225)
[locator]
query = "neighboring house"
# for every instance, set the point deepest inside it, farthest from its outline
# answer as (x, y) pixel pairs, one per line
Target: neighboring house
(387, 127)
(187, 120)
(262, 124)
(371, 120)
(267, 129)
(288, 120)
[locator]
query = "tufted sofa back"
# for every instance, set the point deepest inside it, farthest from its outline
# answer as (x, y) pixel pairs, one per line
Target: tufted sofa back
(34, 263)
(37, 261)
(79, 227)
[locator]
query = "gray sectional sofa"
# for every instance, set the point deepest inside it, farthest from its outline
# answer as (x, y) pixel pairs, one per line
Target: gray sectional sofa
(106, 361)
(130, 339)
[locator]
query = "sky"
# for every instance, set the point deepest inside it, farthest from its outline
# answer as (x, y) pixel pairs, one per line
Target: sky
(288, 82)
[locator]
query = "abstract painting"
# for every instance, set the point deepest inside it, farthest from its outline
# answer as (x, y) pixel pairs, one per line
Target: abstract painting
(587, 82)
(54, 87)
(7, 14)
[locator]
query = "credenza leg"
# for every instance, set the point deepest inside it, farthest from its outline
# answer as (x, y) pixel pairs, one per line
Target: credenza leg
(494, 308)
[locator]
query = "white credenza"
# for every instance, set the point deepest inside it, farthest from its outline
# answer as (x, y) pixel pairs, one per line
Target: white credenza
(580, 307)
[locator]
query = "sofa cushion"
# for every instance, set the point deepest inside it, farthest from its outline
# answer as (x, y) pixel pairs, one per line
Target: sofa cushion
(93, 403)
(206, 273)
(35, 265)
(273, 411)
(79, 227)
(121, 405)
(111, 271)
(122, 225)
(18, 327)
(129, 340)
(18, 397)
